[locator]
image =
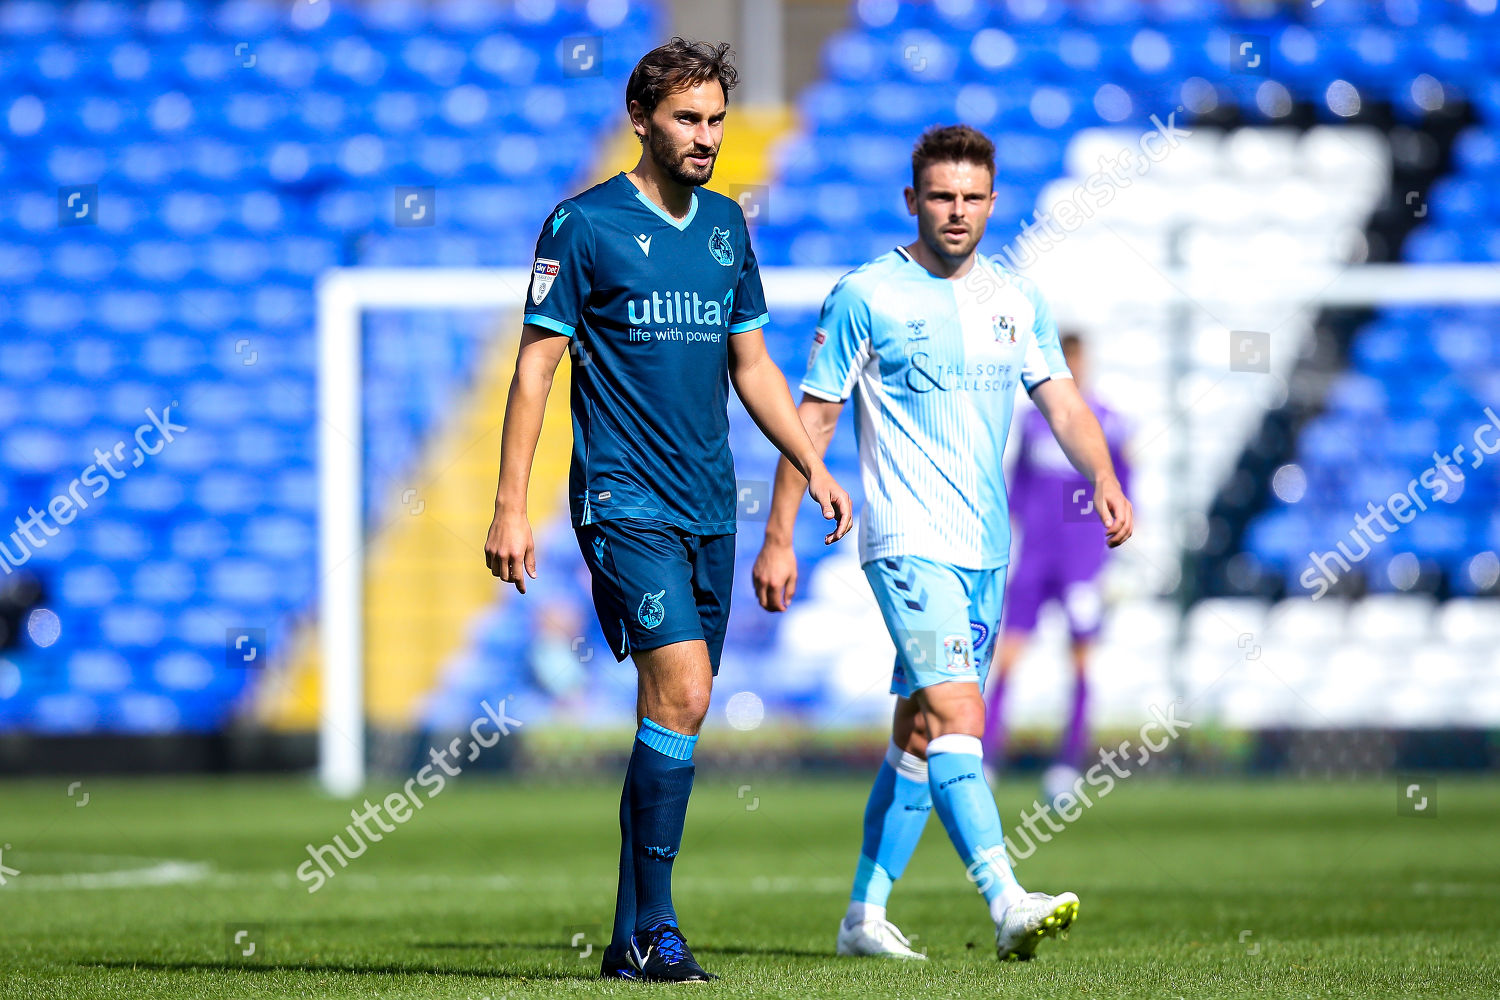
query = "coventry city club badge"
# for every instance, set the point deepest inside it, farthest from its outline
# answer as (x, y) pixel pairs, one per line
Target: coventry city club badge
(958, 654)
(1005, 329)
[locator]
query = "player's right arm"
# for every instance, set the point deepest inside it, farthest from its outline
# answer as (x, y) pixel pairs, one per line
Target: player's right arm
(560, 278)
(509, 551)
(841, 348)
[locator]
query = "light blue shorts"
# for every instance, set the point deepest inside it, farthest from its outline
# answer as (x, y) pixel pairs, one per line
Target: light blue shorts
(943, 619)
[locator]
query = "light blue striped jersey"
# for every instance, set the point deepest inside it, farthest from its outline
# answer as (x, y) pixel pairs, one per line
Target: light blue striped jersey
(933, 366)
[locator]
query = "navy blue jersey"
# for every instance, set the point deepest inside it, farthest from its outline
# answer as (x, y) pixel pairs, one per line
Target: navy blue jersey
(650, 302)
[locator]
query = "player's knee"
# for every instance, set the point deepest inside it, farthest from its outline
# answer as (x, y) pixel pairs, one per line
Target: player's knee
(969, 722)
(959, 711)
(695, 709)
(683, 710)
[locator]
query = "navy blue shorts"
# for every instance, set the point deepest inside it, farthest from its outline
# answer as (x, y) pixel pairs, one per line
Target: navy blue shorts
(655, 584)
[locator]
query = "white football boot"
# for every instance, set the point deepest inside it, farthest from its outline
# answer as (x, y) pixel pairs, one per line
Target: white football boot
(876, 938)
(1030, 919)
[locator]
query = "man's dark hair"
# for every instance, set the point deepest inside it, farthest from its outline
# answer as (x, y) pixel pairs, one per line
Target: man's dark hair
(1071, 340)
(678, 65)
(952, 144)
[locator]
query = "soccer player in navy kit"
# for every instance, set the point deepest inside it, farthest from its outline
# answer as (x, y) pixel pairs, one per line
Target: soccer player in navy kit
(654, 283)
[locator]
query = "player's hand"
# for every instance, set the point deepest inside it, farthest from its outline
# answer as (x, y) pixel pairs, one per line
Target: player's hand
(775, 576)
(1114, 510)
(834, 500)
(509, 551)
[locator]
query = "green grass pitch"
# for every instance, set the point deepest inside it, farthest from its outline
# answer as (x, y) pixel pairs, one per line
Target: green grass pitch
(1190, 889)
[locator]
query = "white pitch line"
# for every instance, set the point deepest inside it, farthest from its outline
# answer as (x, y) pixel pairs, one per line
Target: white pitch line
(167, 872)
(154, 873)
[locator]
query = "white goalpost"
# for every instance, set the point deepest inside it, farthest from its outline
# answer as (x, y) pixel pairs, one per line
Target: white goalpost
(345, 294)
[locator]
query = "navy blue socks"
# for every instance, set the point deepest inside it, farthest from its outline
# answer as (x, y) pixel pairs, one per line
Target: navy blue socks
(625, 893)
(657, 785)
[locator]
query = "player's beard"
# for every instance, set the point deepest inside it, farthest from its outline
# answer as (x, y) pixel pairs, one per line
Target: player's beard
(940, 246)
(674, 161)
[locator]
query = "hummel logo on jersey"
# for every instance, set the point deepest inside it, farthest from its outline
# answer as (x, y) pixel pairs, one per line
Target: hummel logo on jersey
(644, 242)
(559, 219)
(915, 329)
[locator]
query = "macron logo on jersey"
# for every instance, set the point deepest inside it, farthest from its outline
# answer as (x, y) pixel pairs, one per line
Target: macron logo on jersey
(644, 242)
(559, 219)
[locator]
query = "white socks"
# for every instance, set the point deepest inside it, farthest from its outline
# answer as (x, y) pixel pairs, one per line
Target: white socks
(1010, 894)
(907, 765)
(858, 913)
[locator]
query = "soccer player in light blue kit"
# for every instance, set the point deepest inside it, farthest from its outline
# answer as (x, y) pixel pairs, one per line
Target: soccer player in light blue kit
(931, 340)
(653, 281)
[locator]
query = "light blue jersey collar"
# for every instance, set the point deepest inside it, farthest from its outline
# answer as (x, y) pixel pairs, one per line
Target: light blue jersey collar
(679, 224)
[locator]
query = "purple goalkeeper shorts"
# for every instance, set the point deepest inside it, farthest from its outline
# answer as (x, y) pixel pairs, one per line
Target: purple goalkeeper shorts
(1038, 579)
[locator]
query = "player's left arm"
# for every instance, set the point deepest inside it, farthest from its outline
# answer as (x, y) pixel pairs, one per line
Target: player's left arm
(1082, 439)
(762, 388)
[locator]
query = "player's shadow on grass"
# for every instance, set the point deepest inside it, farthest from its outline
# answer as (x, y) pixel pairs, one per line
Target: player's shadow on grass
(769, 952)
(472, 945)
(706, 949)
(530, 972)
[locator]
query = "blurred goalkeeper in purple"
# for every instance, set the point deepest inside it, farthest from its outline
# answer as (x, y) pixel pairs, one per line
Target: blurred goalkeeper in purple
(1060, 558)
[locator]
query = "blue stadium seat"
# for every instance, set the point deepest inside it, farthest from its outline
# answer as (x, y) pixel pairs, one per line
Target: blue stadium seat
(1415, 375)
(256, 144)
(64, 713)
(132, 626)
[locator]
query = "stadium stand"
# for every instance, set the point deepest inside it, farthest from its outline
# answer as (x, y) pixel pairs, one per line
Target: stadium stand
(1306, 146)
(222, 156)
(207, 240)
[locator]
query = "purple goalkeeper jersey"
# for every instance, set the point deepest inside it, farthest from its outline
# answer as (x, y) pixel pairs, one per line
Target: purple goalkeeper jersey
(1052, 505)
